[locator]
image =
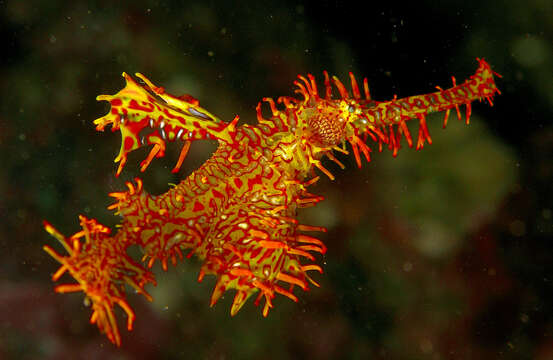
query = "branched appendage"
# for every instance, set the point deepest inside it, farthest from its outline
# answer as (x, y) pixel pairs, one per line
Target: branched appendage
(238, 212)
(102, 268)
(147, 115)
(154, 224)
(262, 254)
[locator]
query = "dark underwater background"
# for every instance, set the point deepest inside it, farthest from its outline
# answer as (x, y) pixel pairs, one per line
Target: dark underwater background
(444, 253)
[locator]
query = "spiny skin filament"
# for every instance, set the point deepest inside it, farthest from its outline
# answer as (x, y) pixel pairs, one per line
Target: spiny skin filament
(238, 211)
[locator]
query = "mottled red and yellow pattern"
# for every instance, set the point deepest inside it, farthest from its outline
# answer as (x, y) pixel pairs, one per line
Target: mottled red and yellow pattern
(238, 211)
